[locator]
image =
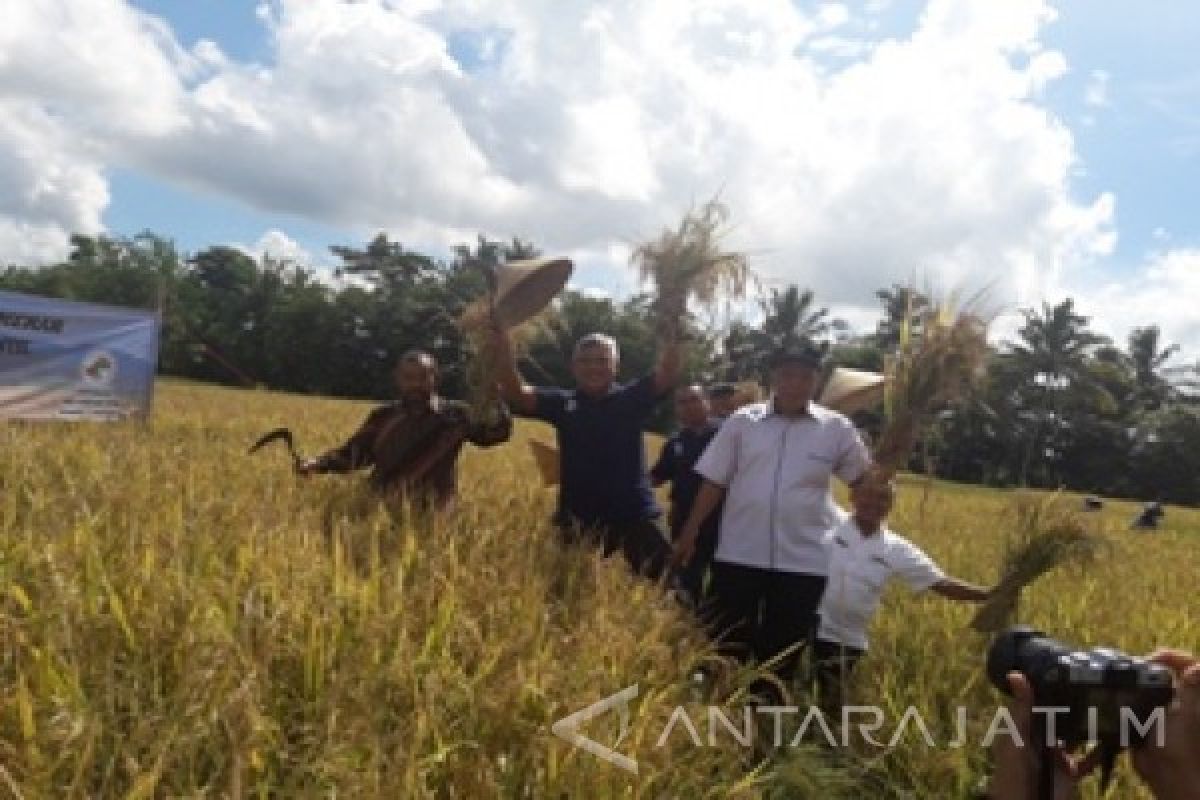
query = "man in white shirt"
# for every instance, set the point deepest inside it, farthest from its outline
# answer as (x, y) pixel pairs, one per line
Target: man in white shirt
(863, 555)
(773, 465)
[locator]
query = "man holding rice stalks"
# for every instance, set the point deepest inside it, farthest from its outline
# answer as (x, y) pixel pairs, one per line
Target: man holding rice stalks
(772, 463)
(413, 445)
(604, 493)
(863, 555)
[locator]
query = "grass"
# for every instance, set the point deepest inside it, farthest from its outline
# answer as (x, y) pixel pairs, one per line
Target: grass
(181, 620)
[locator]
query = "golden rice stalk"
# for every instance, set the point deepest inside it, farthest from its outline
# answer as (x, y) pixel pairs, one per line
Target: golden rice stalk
(1047, 536)
(936, 367)
(688, 263)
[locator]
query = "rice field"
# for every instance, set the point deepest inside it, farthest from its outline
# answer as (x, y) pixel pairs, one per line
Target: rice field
(179, 619)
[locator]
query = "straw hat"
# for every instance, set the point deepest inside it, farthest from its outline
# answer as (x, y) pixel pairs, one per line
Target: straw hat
(523, 288)
(851, 390)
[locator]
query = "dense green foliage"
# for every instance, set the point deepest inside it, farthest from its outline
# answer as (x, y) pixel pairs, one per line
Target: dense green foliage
(1063, 404)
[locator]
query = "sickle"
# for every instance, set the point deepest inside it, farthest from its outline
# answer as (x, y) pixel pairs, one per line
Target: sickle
(278, 435)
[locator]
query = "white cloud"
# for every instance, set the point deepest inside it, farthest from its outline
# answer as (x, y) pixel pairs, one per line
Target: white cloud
(52, 186)
(582, 127)
(278, 245)
(1162, 292)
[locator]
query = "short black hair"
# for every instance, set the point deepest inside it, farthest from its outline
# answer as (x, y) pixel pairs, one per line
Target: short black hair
(722, 390)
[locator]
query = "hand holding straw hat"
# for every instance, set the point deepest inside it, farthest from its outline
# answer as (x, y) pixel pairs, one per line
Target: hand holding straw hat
(518, 291)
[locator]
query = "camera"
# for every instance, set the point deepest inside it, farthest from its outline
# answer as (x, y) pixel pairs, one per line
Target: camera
(1100, 695)
(1122, 689)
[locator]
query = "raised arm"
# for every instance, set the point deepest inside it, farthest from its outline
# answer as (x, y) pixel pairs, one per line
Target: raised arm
(954, 589)
(516, 392)
(666, 373)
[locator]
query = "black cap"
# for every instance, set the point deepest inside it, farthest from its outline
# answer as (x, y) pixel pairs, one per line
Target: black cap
(804, 354)
(722, 390)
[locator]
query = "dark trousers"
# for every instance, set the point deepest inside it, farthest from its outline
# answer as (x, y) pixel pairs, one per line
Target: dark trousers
(760, 613)
(641, 542)
(832, 663)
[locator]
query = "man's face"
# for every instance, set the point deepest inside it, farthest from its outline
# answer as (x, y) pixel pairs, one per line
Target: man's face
(793, 386)
(594, 369)
(724, 404)
(691, 407)
(872, 502)
(416, 380)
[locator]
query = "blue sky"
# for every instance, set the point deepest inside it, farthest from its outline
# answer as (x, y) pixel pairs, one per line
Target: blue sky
(1048, 146)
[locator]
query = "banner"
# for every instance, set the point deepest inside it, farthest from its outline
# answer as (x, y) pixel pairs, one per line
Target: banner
(65, 360)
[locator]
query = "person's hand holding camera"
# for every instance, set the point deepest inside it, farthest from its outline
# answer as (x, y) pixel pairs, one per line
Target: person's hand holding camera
(1016, 766)
(1172, 771)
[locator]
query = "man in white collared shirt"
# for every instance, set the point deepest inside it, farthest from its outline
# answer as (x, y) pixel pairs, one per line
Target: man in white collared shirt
(863, 555)
(773, 464)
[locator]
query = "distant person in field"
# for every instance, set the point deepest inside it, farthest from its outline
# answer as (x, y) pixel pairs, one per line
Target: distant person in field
(773, 464)
(1148, 517)
(863, 555)
(675, 466)
(413, 445)
(723, 400)
(604, 492)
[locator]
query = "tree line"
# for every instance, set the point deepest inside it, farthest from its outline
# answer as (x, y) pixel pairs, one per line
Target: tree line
(1062, 405)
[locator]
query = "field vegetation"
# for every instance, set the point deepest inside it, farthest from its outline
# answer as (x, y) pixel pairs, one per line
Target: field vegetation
(179, 619)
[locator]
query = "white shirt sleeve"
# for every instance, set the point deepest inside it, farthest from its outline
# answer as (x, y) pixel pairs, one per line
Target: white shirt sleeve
(719, 459)
(911, 565)
(853, 457)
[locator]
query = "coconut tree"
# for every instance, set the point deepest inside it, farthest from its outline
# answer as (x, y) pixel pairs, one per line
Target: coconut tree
(1052, 358)
(1148, 358)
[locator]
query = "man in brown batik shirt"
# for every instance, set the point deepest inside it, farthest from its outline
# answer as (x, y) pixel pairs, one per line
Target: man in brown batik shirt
(413, 444)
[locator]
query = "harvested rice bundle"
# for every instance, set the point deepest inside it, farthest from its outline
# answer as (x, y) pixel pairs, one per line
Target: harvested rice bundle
(934, 369)
(1047, 536)
(688, 262)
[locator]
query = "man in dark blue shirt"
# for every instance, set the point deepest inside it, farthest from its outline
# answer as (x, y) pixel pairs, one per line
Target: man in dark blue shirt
(604, 492)
(679, 454)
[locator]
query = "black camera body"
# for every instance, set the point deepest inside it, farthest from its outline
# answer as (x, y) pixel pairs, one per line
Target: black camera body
(1124, 691)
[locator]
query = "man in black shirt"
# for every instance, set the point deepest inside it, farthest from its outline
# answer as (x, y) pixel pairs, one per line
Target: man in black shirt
(603, 491)
(722, 400)
(679, 454)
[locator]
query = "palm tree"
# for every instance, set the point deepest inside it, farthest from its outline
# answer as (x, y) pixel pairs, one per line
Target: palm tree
(1149, 358)
(789, 320)
(1055, 345)
(901, 304)
(1052, 360)
(789, 317)
(385, 263)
